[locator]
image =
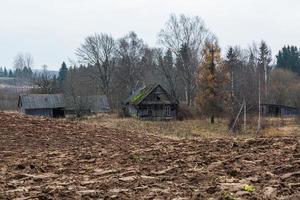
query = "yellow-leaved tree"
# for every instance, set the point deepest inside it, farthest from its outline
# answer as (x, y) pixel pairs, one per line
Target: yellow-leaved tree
(213, 77)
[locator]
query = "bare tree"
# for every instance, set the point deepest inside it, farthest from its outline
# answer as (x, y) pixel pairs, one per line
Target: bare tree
(77, 87)
(189, 33)
(98, 51)
(131, 51)
(44, 81)
(23, 60)
(23, 64)
(183, 30)
(166, 66)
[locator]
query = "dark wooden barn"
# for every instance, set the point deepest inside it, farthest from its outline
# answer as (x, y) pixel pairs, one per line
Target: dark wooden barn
(51, 105)
(152, 102)
(278, 110)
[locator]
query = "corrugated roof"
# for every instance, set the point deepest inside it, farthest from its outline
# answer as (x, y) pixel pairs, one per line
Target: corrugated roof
(37, 101)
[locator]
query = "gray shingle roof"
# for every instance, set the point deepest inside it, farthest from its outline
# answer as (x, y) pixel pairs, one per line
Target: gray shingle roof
(94, 103)
(37, 101)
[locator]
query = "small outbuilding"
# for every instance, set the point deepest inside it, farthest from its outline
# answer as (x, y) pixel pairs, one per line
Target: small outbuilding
(87, 104)
(51, 105)
(278, 110)
(151, 102)
(58, 105)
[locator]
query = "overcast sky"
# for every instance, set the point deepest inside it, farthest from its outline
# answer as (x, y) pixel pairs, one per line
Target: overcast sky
(51, 30)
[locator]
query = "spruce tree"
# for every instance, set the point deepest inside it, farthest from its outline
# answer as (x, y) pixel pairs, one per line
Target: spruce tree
(289, 58)
(264, 67)
(232, 64)
(5, 73)
(10, 74)
(62, 74)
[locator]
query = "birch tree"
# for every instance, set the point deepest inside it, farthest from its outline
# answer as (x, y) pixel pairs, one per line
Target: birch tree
(264, 61)
(184, 33)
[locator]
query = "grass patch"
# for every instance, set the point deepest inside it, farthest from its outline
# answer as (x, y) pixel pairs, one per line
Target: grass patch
(179, 129)
(194, 128)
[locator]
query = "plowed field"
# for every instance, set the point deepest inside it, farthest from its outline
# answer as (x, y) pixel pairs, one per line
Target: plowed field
(42, 158)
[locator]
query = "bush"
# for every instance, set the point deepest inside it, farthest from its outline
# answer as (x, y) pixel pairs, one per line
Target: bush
(184, 112)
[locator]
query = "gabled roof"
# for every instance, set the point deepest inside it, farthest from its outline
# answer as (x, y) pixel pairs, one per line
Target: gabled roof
(137, 97)
(38, 101)
(141, 94)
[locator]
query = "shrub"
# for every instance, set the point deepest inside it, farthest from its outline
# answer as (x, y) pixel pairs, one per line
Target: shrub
(184, 112)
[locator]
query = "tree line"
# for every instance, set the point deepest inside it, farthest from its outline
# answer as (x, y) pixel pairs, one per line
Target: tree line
(188, 62)
(4, 72)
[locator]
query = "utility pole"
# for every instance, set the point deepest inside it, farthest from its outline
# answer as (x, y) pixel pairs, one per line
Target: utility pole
(245, 116)
(212, 72)
(259, 103)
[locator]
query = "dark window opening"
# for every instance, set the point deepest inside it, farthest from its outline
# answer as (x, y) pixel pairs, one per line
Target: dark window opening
(58, 113)
(168, 110)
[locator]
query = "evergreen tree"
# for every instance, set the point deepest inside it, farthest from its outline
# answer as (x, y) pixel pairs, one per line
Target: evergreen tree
(232, 64)
(10, 74)
(185, 64)
(62, 74)
(1, 72)
(170, 72)
(264, 67)
(5, 73)
(54, 84)
(289, 58)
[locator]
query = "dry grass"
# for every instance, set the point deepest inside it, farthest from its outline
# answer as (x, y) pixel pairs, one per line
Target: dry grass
(178, 129)
(281, 126)
(196, 128)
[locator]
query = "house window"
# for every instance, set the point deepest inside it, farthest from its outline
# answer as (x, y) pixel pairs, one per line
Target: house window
(168, 110)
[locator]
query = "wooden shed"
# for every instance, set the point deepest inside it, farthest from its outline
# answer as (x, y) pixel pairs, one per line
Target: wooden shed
(152, 102)
(278, 110)
(51, 105)
(87, 104)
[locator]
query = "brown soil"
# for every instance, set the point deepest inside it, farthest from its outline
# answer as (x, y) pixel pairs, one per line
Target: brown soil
(54, 159)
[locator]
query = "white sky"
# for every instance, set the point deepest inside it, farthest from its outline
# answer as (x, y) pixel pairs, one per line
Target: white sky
(51, 30)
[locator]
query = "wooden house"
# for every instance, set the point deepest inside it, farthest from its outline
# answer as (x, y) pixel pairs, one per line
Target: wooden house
(152, 102)
(51, 105)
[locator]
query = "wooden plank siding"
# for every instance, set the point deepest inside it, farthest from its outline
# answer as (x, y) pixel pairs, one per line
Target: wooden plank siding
(156, 104)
